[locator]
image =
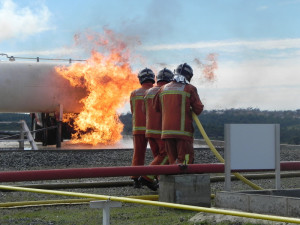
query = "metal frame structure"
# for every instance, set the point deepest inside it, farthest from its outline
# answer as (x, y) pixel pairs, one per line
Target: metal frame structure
(24, 131)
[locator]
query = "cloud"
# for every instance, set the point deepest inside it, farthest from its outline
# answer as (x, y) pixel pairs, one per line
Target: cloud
(17, 22)
(272, 44)
(261, 8)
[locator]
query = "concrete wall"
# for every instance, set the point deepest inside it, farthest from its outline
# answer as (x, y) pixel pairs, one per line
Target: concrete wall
(189, 189)
(275, 202)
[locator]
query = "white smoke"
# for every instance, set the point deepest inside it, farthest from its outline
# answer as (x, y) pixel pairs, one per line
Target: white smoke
(267, 84)
(18, 22)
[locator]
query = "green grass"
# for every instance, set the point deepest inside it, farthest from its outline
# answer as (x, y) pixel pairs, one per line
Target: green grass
(84, 215)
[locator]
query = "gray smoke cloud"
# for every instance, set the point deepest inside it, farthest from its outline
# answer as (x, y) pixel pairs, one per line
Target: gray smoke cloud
(157, 20)
(21, 22)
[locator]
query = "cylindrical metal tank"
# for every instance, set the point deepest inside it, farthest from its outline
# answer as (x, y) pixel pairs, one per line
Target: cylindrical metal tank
(36, 87)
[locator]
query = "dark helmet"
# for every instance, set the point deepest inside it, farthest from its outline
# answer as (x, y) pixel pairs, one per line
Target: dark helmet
(165, 75)
(146, 75)
(185, 70)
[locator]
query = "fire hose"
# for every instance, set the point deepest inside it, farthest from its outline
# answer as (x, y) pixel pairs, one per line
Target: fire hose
(217, 154)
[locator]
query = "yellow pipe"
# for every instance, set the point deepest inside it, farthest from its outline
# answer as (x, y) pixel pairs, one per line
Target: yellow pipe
(46, 202)
(162, 204)
(217, 154)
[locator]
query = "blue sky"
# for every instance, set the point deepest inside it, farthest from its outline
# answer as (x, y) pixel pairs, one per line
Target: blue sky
(257, 42)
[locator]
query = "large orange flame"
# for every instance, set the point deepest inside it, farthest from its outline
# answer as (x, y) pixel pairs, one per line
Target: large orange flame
(109, 81)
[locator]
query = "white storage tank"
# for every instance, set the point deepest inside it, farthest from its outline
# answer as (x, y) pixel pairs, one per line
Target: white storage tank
(36, 87)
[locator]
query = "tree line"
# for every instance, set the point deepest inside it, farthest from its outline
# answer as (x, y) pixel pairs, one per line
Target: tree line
(14, 117)
(212, 121)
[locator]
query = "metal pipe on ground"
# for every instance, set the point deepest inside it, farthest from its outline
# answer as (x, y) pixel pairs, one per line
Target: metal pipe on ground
(66, 201)
(56, 174)
(80, 185)
(256, 176)
(70, 201)
(161, 204)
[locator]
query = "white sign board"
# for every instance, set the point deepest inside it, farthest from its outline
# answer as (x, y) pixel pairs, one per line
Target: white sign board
(252, 147)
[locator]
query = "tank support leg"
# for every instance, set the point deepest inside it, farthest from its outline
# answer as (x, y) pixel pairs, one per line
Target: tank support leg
(59, 126)
(45, 125)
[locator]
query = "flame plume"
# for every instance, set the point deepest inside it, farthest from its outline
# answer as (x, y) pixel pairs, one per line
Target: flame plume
(208, 69)
(108, 80)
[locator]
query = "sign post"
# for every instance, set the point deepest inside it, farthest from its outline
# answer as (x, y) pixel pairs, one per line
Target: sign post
(252, 147)
(105, 205)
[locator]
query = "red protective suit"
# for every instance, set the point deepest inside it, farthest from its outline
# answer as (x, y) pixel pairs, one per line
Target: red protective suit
(139, 124)
(176, 101)
(153, 129)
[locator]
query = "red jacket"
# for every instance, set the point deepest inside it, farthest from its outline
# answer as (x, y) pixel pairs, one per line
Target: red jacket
(136, 105)
(176, 101)
(153, 117)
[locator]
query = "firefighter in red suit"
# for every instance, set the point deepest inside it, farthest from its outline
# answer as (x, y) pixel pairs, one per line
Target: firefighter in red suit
(153, 128)
(176, 101)
(147, 79)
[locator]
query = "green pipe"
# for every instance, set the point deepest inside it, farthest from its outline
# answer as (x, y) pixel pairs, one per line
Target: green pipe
(45, 202)
(66, 201)
(71, 201)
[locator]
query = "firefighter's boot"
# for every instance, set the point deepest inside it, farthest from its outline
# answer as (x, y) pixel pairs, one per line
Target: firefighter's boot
(136, 183)
(151, 185)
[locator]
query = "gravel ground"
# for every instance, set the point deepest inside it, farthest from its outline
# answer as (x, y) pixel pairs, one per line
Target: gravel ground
(60, 159)
(12, 160)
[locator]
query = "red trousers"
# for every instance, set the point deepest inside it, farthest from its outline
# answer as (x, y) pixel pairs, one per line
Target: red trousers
(159, 153)
(158, 150)
(179, 151)
(139, 150)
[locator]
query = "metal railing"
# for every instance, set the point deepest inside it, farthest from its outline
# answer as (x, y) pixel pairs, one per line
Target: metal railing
(24, 135)
(13, 58)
